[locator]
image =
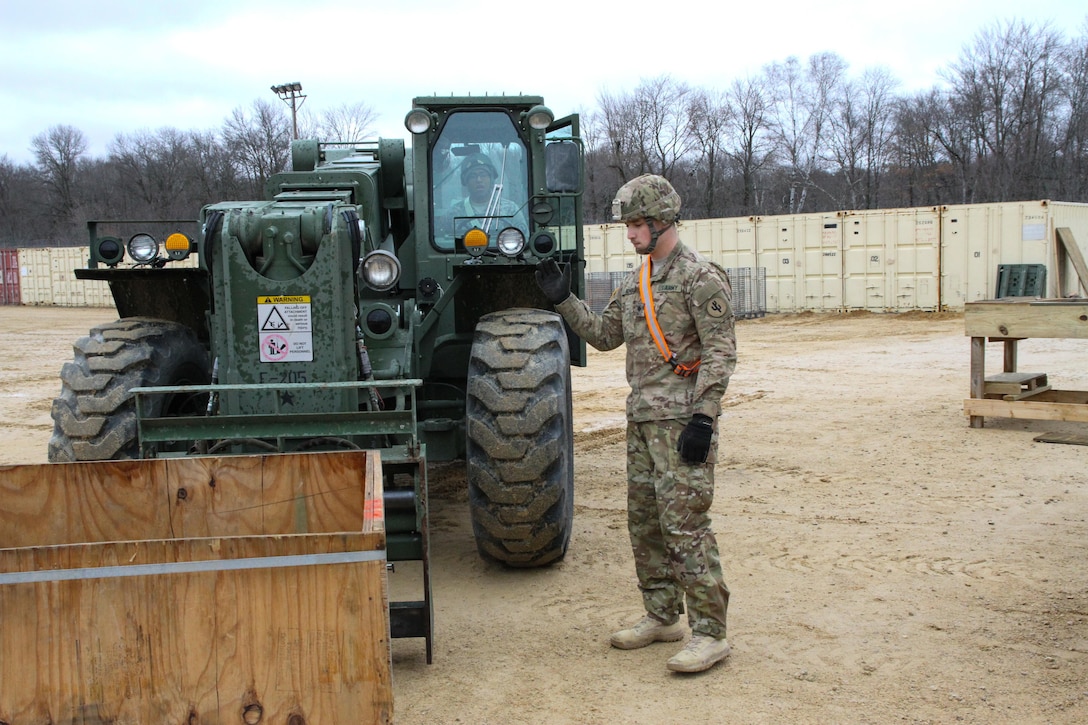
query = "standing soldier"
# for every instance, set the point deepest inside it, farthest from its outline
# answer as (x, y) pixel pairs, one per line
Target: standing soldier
(676, 317)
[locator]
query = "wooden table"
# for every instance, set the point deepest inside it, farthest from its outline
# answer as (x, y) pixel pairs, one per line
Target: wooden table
(1012, 393)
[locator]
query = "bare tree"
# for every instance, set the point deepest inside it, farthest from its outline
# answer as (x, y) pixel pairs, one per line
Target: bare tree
(663, 102)
(214, 177)
(1006, 85)
(1010, 121)
(915, 152)
(347, 122)
(953, 127)
(750, 143)
(802, 108)
(602, 179)
(19, 216)
(625, 133)
(155, 169)
(59, 152)
(860, 130)
(710, 116)
(648, 130)
(1072, 131)
(259, 144)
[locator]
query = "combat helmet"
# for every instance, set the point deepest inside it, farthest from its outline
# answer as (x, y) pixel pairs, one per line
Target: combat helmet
(646, 197)
(477, 160)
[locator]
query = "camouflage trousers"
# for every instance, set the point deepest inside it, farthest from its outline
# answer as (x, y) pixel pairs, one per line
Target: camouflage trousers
(676, 554)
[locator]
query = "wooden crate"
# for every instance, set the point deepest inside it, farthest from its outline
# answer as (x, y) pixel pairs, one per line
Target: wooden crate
(195, 590)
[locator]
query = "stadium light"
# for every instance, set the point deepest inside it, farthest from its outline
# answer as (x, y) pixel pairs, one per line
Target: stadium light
(291, 93)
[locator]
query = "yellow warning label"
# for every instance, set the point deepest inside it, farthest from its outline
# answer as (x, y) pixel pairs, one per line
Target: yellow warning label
(284, 300)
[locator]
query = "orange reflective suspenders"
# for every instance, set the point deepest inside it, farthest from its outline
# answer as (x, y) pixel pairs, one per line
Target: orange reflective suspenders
(646, 292)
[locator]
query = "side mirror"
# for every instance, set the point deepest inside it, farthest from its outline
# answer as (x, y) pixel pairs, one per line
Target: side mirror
(563, 167)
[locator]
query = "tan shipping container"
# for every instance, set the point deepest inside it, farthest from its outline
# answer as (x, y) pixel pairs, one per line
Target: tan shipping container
(607, 249)
(729, 242)
(977, 238)
(891, 259)
(35, 277)
(802, 254)
(1064, 282)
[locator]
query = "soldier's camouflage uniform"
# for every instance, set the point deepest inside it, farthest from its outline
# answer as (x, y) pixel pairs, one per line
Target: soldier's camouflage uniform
(675, 551)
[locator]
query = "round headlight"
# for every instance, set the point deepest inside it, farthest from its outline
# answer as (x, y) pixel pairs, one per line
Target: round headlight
(143, 248)
(543, 244)
(110, 250)
(381, 270)
(540, 117)
(511, 241)
(379, 321)
(418, 120)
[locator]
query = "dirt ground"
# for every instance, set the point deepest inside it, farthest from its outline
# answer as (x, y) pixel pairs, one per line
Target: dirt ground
(887, 562)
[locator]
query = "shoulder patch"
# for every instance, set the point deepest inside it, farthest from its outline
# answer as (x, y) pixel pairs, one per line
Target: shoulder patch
(718, 306)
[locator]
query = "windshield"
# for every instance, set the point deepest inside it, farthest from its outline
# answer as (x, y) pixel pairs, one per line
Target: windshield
(480, 178)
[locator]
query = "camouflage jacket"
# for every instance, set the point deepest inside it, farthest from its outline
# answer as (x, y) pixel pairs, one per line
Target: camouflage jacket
(694, 309)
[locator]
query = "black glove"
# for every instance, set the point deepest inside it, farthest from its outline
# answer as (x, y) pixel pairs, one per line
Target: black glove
(694, 444)
(554, 282)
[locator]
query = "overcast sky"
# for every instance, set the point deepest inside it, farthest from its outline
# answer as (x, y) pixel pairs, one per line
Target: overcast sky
(120, 66)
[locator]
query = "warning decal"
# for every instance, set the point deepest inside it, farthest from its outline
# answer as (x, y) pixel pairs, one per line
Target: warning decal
(286, 331)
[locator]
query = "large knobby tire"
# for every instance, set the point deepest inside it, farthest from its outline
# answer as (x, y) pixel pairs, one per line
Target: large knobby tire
(520, 447)
(94, 419)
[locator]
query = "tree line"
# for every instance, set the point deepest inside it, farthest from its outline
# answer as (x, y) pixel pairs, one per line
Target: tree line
(1008, 120)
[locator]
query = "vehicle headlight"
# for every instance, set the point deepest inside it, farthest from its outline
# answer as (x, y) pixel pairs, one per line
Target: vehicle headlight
(381, 270)
(511, 241)
(540, 117)
(418, 120)
(110, 250)
(143, 248)
(543, 243)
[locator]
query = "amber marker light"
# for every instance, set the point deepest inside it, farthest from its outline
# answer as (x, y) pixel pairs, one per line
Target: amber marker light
(475, 241)
(178, 246)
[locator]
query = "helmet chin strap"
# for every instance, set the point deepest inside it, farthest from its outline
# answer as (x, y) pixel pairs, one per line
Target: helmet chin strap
(654, 234)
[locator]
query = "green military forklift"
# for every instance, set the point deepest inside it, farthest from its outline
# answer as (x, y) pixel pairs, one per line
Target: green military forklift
(381, 297)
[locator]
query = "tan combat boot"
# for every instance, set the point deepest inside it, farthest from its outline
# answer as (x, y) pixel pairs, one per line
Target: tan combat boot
(701, 653)
(646, 631)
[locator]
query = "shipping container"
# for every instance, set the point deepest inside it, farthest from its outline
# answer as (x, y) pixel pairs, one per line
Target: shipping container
(594, 236)
(1074, 217)
(802, 255)
(891, 259)
(729, 242)
(607, 249)
(35, 277)
(976, 239)
(9, 277)
(775, 252)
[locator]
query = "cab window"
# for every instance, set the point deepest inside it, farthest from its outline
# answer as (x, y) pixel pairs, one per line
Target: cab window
(479, 177)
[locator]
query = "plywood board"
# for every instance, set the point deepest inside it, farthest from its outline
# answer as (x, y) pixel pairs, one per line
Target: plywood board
(277, 605)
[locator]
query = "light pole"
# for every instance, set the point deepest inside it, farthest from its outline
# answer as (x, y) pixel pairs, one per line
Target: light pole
(290, 93)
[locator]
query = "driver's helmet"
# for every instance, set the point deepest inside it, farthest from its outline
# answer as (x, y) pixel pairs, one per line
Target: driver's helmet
(476, 161)
(646, 197)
